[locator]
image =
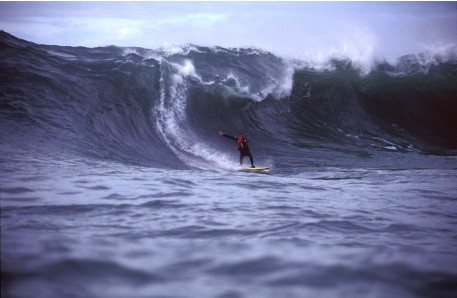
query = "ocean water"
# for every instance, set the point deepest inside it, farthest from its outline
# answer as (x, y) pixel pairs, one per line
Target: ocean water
(114, 182)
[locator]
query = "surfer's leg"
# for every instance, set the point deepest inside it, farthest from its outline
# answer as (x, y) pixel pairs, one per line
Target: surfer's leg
(252, 160)
(241, 159)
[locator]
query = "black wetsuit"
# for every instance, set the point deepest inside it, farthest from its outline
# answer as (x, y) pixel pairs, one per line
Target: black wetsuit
(243, 148)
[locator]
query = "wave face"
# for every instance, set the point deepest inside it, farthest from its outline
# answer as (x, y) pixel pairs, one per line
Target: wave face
(163, 107)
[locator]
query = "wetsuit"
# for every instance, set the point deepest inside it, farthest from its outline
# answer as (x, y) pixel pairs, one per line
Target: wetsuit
(242, 145)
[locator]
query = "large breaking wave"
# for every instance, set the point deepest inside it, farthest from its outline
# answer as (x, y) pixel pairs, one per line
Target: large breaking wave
(163, 107)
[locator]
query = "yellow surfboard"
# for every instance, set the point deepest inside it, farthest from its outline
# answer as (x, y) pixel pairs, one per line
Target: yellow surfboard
(259, 169)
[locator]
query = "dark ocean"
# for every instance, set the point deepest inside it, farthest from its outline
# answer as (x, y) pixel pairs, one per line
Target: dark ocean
(115, 183)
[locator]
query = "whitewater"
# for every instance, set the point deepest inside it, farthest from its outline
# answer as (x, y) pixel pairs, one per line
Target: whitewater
(115, 183)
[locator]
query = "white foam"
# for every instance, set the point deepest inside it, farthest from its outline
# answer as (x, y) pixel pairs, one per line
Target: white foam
(128, 51)
(282, 87)
(172, 123)
(435, 54)
(187, 69)
(173, 49)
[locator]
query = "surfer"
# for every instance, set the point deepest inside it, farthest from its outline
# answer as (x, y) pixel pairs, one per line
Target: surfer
(242, 145)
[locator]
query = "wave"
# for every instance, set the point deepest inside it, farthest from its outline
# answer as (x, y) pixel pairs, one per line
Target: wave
(163, 107)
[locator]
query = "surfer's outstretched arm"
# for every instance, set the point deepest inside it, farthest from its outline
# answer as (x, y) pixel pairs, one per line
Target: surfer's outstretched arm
(222, 134)
(230, 137)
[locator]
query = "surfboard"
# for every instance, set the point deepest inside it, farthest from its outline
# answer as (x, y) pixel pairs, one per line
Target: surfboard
(258, 169)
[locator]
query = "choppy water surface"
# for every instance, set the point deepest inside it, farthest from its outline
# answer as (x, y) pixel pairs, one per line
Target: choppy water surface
(112, 230)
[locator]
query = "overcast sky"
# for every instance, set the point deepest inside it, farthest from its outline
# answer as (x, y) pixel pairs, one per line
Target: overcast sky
(360, 30)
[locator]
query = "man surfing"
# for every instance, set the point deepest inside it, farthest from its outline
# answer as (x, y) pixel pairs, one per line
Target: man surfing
(242, 145)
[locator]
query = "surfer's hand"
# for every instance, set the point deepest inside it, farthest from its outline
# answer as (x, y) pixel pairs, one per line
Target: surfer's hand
(221, 133)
